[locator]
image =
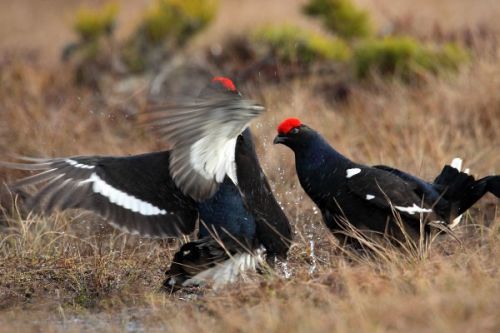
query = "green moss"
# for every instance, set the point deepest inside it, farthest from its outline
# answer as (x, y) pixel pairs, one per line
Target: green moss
(177, 19)
(293, 44)
(341, 17)
(90, 24)
(405, 57)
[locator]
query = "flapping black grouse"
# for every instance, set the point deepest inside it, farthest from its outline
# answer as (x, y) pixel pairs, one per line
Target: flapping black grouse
(164, 194)
(370, 198)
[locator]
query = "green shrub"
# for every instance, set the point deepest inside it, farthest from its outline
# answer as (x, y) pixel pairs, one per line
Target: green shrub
(405, 57)
(90, 24)
(341, 17)
(293, 44)
(177, 19)
(91, 54)
(166, 25)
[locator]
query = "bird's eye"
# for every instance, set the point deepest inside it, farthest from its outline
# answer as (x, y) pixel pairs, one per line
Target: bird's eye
(294, 130)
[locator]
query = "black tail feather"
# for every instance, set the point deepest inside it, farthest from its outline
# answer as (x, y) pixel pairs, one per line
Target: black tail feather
(462, 190)
(494, 185)
(453, 182)
(472, 194)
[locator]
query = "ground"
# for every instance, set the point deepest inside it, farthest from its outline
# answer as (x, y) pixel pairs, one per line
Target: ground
(70, 272)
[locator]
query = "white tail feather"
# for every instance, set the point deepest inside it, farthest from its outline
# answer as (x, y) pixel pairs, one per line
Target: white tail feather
(229, 271)
(457, 164)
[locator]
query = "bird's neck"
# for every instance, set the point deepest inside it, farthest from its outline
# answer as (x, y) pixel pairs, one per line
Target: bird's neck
(318, 163)
(317, 154)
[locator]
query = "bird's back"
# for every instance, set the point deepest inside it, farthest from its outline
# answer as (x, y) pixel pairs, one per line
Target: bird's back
(226, 212)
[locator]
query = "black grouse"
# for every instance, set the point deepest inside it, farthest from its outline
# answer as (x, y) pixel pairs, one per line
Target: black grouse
(356, 197)
(152, 194)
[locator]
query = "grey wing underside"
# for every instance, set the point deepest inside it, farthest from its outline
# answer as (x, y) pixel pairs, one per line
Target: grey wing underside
(203, 134)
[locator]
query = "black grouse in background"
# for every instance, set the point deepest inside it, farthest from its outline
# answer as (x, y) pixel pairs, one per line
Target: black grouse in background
(368, 197)
(140, 194)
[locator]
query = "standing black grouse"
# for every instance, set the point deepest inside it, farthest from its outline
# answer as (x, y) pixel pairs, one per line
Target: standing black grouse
(151, 194)
(370, 198)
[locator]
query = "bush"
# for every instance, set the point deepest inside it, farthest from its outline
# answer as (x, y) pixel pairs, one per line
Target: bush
(341, 17)
(177, 19)
(166, 25)
(92, 53)
(90, 24)
(292, 44)
(405, 57)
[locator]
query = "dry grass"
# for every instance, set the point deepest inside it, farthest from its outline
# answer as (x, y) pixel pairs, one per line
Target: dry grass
(70, 272)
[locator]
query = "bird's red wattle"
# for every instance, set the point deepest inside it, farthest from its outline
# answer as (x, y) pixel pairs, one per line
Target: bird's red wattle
(287, 124)
(225, 82)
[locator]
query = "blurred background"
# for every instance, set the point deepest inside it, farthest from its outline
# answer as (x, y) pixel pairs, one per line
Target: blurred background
(46, 26)
(245, 39)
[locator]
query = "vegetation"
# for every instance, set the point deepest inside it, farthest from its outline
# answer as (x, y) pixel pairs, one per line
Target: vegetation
(93, 52)
(166, 25)
(169, 24)
(341, 17)
(90, 24)
(392, 56)
(177, 19)
(70, 272)
(405, 57)
(295, 45)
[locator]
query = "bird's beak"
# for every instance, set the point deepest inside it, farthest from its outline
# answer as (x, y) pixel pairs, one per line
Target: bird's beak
(279, 139)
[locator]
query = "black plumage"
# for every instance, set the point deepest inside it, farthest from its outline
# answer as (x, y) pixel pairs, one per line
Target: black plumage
(135, 194)
(244, 219)
(272, 227)
(376, 199)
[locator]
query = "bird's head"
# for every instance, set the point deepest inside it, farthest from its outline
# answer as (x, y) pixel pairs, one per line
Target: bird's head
(220, 85)
(292, 133)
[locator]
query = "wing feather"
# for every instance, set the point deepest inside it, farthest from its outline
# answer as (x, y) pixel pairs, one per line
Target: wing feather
(390, 192)
(135, 193)
(203, 134)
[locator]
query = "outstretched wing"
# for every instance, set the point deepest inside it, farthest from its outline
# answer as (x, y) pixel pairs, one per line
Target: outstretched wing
(389, 191)
(135, 194)
(203, 134)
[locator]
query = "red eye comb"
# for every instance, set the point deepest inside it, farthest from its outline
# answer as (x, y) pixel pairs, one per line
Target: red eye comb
(287, 124)
(225, 82)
